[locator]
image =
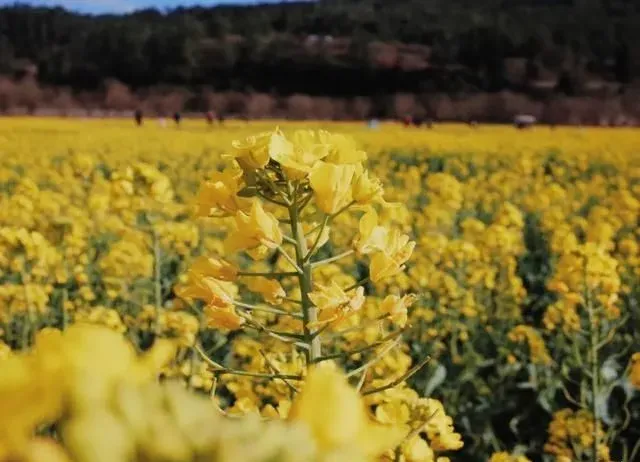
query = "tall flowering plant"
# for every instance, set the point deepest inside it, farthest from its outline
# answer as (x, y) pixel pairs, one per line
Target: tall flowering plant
(282, 196)
(281, 199)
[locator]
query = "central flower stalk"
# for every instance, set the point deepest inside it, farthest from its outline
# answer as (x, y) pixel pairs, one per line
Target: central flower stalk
(309, 311)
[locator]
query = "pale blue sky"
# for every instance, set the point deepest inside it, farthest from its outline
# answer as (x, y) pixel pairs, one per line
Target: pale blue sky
(123, 6)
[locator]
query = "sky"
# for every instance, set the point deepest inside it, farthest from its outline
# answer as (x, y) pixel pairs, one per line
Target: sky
(124, 6)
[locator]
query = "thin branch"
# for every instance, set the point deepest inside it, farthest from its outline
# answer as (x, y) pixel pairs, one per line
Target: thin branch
(221, 370)
(214, 386)
(416, 431)
(400, 379)
(292, 300)
(315, 264)
(374, 360)
(362, 379)
(346, 354)
(611, 334)
(635, 450)
(570, 398)
(304, 202)
(157, 280)
(321, 330)
(289, 239)
(357, 284)
(267, 309)
(382, 317)
(262, 328)
(333, 215)
(273, 201)
(317, 240)
(277, 191)
(277, 371)
(282, 336)
(266, 274)
(289, 259)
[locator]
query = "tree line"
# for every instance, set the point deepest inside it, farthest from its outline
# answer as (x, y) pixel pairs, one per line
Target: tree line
(336, 49)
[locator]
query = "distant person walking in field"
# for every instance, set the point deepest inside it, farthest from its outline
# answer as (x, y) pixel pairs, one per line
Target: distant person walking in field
(138, 117)
(177, 117)
(210, 116)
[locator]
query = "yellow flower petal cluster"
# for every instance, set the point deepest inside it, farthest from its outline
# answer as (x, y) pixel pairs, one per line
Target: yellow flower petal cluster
(571, 435)
(537, 347)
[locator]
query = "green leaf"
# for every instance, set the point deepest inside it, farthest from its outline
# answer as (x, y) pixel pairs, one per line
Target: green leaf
(437, 378)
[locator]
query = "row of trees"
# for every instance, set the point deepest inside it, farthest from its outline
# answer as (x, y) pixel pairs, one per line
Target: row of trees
(368, 46)
(115, 98)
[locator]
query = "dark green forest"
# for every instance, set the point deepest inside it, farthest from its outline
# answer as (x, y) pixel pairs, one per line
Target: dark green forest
(335, 58)
(334, 47)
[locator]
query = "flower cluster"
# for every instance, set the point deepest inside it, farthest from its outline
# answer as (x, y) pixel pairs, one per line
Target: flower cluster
(526, 249)
(571, 436)
(105, 402)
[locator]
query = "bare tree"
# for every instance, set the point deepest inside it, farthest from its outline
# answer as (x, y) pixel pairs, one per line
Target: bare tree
(403, 104)
(64, 102)
(360, 107)
(8, 95)
(88, 101)
(260, 105)
(300, 106)
(324, 108)
(118, 97)
(29, 94)
(166, 102)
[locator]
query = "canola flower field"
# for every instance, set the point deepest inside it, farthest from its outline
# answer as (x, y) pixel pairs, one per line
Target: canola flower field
(279, 291)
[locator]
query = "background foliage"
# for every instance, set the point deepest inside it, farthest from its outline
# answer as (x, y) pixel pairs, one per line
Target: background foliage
(527, 258)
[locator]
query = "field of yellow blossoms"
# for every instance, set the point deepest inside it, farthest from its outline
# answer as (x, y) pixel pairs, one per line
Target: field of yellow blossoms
(278, 291)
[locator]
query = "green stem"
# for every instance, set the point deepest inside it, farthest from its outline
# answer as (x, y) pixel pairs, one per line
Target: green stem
(275, 370)
(397, 454)
(65, 298)
(29, 326)
(332, 216)
(267, 309)
(283, 336)
(157, 281)
(273, 201)
(634, 451)
(221, 370)
(295, 263)
(288, 239)
(375, 359)
(357, 284)
(267, 275)
(346, 354)
(315, 264)
(309, 311)
(363, 324)
(318, 237)
(594, 376)
(399, 380)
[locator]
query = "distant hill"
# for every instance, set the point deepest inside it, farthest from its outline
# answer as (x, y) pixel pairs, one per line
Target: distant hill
(336, 48)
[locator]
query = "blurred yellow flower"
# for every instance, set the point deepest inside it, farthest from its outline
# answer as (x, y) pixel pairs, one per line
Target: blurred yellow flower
(340, 420)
